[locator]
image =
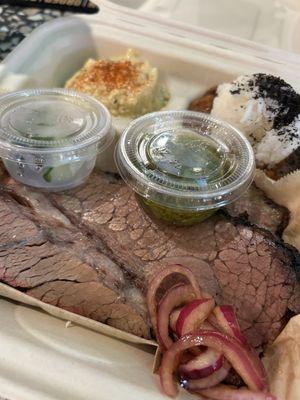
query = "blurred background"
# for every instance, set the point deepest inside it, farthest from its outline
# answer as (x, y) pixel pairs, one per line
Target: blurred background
(275, 23)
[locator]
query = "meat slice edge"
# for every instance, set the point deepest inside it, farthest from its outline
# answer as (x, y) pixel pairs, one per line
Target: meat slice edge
(257, 209)
(61, 267)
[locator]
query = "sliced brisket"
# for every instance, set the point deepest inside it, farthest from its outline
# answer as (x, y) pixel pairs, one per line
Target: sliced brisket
(103, 230)
(255, 208)
(238, 263)
(62, 267)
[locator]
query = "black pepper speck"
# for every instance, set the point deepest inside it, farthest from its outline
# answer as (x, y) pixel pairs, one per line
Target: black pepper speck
(271, 87)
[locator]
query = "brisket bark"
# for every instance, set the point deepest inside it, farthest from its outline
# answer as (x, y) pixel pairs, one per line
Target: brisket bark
(93, 251)
(254, 207)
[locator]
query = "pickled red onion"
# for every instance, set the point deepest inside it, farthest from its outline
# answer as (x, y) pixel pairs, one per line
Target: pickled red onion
(214, 379)
(226, 318)
(157, 281)
(176, 296)
(201, 366)
(237, 354)
(193, 314)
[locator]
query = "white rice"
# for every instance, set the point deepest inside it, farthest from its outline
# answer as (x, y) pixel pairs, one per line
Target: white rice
(254, 116)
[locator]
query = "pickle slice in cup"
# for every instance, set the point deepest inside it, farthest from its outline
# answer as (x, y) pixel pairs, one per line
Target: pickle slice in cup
(50, 138)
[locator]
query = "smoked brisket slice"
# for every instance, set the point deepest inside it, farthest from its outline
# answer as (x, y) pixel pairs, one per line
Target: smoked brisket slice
(257, 209)
(205, 102)
(236, 261)
(60, 266)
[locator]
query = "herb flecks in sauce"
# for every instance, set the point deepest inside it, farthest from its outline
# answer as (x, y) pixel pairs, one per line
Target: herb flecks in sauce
(173, 216)
(189, 158)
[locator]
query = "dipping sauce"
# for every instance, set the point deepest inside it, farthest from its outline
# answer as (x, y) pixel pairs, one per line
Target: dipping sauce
(50, 138)
(183, 165)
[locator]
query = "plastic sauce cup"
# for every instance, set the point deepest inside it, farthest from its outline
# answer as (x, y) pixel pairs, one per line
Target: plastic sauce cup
(50, 138)
(184, 165)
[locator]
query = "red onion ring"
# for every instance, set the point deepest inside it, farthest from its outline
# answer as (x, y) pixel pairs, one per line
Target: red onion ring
(201, 366)
(214, 379)
(173, 318)
(157, 281)
(205, 325)
(174, 297)
(226, 318)
(175, 314)
(237, 354)
(192, 315)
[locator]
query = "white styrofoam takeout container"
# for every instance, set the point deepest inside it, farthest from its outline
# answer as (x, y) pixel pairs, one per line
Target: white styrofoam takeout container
(275, 23)
(193, 57)
(77, 364)
(43, 359)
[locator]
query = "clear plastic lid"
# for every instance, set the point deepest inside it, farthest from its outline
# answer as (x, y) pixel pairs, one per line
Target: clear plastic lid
(52, 123)
(185, 159)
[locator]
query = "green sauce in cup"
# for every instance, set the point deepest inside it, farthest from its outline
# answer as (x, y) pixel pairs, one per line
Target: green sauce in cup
(173, 216)
(183, 165)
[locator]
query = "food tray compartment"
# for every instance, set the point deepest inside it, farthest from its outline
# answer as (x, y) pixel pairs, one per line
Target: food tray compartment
(271, 22)
(42, 358)
(54, 51)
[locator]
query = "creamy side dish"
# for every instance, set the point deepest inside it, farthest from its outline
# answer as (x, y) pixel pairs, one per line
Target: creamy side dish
(127, 86)
(266, 109)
